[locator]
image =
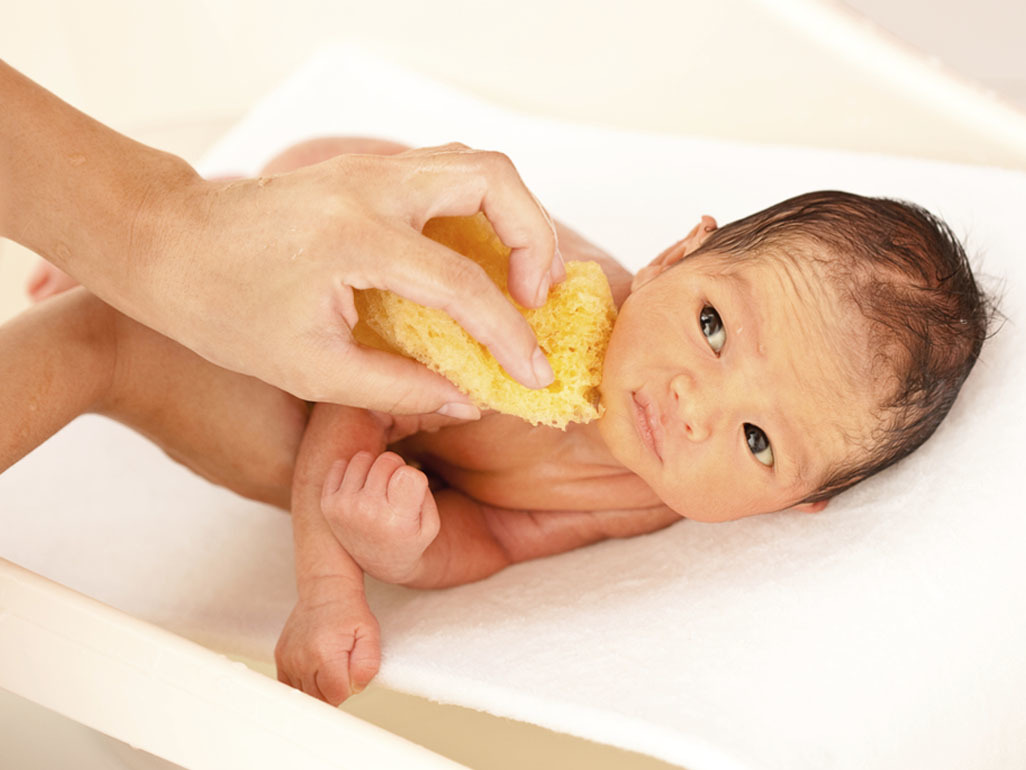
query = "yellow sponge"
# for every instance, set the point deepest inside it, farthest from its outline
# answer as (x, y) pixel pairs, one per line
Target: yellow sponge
(572, 328)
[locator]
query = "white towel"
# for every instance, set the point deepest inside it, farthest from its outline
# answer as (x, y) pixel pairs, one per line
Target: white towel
(885, 632)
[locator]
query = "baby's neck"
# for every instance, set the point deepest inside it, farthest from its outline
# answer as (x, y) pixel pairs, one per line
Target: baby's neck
(590, 445)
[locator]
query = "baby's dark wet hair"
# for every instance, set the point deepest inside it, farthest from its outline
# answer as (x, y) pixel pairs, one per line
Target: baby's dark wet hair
(909, 276)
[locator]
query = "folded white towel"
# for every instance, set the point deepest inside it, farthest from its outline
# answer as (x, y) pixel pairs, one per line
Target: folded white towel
(885, 632)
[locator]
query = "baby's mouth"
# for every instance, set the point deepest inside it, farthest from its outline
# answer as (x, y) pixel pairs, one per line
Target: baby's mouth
(647, 422)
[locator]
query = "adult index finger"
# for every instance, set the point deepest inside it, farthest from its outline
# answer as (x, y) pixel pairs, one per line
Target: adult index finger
(523, 224)
(433, 275)
(456, 180)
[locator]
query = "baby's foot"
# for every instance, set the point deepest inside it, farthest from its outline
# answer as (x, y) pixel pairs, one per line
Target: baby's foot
(382, 513)
(47, 280)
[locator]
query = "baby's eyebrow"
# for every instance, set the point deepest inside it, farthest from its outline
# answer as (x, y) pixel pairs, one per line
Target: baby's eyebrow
(745, 305)
(801, 471)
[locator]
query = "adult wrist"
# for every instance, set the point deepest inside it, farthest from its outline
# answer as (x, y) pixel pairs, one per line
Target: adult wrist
(155, 213)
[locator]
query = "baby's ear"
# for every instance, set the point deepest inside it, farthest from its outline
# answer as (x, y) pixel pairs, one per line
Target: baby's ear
(690, 243)
(810, 507)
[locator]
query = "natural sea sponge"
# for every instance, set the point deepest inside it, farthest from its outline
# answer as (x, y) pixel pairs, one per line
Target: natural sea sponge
(572, 328)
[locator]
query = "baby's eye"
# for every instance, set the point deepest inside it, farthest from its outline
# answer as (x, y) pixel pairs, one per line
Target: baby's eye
(759, 444)
(712, 328)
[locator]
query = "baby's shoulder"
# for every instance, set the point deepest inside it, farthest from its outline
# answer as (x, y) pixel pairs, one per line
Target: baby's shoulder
(494, 441)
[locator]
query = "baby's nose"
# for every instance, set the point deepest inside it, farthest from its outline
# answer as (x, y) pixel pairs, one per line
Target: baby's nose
(692, 407)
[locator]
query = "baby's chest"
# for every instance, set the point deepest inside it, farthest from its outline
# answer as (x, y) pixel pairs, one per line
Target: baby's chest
(505, 462)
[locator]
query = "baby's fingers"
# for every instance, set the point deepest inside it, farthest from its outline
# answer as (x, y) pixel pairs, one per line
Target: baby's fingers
(381, 471)
(335, 676)
(330, 683)
(355, 477)
(365, 658)
(335, 680)
(406, 488)
(333, 480)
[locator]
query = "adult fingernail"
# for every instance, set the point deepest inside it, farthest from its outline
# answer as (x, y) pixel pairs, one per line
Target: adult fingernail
(459, 411)
(542, 371)
(558, 269)
(543, 291)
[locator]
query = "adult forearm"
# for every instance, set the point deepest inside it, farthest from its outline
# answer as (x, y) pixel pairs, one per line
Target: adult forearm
(55, 364)
(73, 190)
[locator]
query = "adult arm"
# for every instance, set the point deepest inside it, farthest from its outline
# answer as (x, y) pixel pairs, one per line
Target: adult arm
(258, 275)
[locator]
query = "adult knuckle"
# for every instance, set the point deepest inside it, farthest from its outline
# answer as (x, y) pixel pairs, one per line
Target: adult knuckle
(497, 157)
(461, 274)
(493, 163)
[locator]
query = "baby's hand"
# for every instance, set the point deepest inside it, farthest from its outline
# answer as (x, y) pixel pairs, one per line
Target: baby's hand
(382, 513)
(330, 648)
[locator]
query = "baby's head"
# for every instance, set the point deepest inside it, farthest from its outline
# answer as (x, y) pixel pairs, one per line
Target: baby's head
(790, 354)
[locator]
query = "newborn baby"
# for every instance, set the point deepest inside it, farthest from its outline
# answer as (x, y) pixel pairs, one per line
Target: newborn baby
(764, 366)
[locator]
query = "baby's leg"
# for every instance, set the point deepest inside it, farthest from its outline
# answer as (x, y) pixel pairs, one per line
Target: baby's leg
(382, 512)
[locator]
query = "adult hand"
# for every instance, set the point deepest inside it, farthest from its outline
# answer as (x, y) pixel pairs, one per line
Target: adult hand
(290, 249)
(257, 275)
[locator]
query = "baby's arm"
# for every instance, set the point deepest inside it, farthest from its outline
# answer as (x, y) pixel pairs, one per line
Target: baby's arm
(447, 539)
(330, 647)
(74, 354)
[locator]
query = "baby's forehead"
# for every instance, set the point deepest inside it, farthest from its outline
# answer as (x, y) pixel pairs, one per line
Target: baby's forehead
(784, 281)
(814, 347)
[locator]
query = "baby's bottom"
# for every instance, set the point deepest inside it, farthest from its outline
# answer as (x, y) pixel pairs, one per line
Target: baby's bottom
(48, 280)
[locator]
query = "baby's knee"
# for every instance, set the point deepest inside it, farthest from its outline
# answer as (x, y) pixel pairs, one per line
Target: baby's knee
(316, 150)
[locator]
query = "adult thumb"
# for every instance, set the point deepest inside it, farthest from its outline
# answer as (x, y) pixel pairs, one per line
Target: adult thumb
(386, 382)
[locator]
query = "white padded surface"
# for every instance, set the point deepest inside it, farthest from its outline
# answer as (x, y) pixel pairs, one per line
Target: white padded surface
(886, 632)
